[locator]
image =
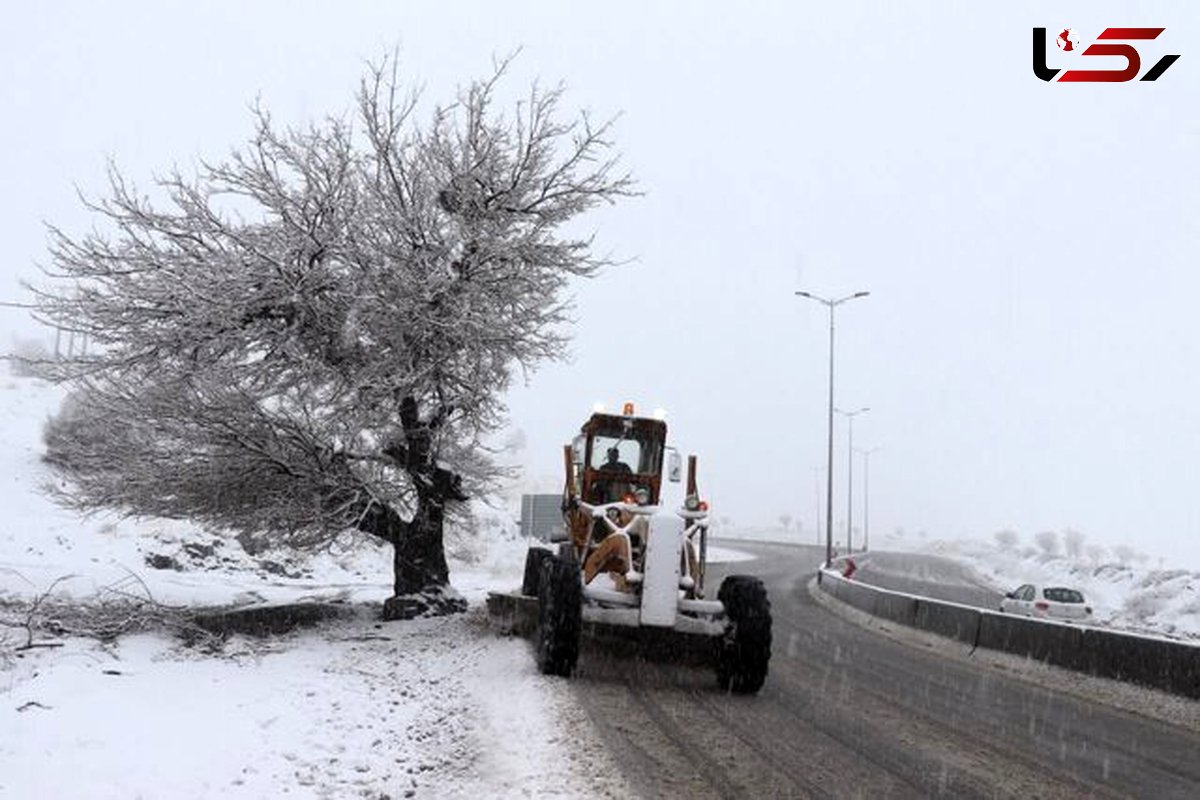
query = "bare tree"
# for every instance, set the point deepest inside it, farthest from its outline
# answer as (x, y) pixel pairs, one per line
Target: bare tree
(1124, 554)
(1007, 538)
(316, 333)
(1048, 541)
(1073, 543)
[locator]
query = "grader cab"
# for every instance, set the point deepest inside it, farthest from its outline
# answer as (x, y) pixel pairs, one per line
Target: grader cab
(616, 462)
(618, 458)
(624, 561)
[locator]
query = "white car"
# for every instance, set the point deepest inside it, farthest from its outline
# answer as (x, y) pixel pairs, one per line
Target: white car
(1052, 602)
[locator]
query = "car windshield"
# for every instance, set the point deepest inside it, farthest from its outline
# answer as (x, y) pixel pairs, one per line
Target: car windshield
(1060, 595)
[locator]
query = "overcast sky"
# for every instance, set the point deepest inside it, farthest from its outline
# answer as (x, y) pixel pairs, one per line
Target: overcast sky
(1029, 348)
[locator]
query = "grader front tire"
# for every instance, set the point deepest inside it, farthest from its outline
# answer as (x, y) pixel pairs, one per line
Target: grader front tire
(560, 617)
(746, 649)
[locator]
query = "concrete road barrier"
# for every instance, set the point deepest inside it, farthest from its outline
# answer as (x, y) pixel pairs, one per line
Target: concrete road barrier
(1053, 642)
(1166, 664)
(947, 619)
(896, 607)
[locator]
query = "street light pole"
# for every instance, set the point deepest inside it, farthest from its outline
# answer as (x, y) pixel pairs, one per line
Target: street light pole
(850, 415)
(866, 454)
(831, 304)
(817, 487)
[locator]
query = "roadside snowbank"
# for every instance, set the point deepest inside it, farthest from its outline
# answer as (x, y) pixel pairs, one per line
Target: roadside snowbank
(433, 708)
(1135, 598)
(357, 708)
(1129, 596)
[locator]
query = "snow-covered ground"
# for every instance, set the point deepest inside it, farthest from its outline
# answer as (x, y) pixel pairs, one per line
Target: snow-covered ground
(1125, 592)
(431, 708)
(1132, 597)
(358, 708)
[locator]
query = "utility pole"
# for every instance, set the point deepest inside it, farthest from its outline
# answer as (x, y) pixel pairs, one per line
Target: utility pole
(817, 486)
(831, 304)
(866, 454)
(850, 415)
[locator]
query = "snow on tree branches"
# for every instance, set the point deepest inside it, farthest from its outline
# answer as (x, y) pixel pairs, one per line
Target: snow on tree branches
(315, 333)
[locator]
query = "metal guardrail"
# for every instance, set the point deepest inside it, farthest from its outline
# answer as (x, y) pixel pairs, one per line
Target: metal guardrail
(1166, 664)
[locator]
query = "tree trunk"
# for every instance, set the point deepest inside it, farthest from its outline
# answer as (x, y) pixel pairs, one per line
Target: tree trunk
(422, 579)
(419, 554)
(422, 585)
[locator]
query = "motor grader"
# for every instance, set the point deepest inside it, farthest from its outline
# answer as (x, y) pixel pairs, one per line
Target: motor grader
(624, 562)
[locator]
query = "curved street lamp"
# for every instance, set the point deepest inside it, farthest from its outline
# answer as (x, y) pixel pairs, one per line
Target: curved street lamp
(831, 304)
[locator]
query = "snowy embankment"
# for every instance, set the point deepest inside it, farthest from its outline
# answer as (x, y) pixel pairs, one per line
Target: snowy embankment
(353, 708)
(1164, 602)
(1126, 594)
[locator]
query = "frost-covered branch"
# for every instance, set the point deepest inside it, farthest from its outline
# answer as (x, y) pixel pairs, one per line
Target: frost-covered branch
(315, 332)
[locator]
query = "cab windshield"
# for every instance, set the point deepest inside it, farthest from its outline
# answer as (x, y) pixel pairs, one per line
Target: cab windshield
(625, 454)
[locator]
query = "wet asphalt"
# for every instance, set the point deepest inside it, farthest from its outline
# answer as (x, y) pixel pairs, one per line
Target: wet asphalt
(847, 712)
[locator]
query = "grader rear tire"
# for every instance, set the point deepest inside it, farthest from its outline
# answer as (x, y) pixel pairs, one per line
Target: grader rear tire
(560, 617)
(746, 648)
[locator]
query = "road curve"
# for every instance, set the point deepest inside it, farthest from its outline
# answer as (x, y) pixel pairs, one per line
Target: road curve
(847, 712)
(931, 576)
